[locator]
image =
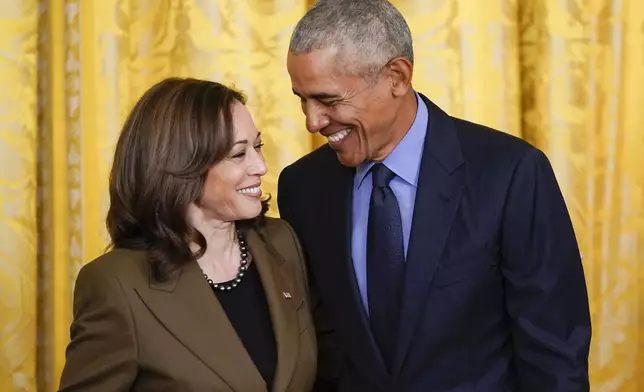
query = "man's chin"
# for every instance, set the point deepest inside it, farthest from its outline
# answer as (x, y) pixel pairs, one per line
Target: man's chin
(349, 160)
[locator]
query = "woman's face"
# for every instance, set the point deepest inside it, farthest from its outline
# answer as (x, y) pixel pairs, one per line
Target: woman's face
(232, 188)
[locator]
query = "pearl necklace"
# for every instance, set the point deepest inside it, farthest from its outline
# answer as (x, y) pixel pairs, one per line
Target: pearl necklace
(243, 267)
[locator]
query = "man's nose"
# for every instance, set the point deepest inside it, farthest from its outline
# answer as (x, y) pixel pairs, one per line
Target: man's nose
(315, 119)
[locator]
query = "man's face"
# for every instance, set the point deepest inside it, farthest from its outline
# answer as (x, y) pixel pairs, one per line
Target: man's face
(353, 113)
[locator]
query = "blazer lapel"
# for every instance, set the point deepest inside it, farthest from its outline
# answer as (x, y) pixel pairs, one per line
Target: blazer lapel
(189, 309)
(440, 188)
(283, 315)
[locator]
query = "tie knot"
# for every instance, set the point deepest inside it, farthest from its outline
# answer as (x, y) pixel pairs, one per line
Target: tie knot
(381, 175)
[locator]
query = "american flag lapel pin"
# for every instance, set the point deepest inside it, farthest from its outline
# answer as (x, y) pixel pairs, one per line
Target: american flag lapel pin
(286, 294)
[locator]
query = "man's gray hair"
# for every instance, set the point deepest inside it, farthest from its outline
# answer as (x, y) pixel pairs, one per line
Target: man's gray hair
(366, 33)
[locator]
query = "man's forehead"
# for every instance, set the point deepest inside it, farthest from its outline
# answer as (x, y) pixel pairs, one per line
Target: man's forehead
(313, 77)
(309, 65)
(325, 88)
(320, 95)
(323, 55)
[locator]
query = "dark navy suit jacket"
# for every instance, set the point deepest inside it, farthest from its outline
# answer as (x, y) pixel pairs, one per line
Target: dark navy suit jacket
(495, 296)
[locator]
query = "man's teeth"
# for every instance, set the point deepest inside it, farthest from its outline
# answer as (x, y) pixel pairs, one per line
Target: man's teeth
(336, 137)
(249, 191)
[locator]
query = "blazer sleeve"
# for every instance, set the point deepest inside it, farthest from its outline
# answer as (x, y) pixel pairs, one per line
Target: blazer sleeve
(329, 356)
(546, 294)
(102, 353)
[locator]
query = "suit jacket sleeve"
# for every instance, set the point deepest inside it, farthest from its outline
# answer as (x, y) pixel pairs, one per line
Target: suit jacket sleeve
(329, 357)
(102, 354)
(546, 295)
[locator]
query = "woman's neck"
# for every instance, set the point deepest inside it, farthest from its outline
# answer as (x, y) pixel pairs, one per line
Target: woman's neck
(221, 259)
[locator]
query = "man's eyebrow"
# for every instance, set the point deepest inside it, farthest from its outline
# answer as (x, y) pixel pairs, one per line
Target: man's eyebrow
(319, 96)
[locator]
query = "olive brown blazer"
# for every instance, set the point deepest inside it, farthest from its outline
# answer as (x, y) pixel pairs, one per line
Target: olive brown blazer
(132, 333)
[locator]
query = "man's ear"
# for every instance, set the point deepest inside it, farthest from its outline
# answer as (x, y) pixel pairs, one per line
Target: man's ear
(400, 71)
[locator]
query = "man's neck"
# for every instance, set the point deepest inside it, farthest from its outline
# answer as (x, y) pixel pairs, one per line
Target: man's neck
(402, 123)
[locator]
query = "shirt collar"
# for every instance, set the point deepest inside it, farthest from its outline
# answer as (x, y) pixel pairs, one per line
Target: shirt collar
(405, 158)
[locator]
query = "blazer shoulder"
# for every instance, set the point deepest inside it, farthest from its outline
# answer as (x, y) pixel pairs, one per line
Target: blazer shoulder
(281, 237)
(122, 264)
(280, 234)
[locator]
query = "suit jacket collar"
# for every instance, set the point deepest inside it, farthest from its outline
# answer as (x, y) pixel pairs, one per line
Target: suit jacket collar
(441, 140)
(335, 219)
(187, 307)
(440, 188)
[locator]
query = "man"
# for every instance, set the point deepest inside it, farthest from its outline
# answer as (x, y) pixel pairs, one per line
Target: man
(441, 254)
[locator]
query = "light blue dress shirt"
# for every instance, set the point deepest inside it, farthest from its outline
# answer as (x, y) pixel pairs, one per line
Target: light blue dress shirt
(404, 161)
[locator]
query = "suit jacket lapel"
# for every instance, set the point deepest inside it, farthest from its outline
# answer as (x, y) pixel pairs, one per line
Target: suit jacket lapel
(440, 187)
(189, 309)
(340, 271)
(284, 316)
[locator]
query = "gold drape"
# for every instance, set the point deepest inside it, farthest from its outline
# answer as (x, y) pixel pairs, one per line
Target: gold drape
(18, 155)
(582, 66)
(94, 59)
(566, 75)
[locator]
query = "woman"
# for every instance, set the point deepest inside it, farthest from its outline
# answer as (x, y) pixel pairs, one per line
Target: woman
(200, 291)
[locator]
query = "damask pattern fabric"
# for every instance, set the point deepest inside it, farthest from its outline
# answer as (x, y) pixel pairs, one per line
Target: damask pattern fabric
(566, 75)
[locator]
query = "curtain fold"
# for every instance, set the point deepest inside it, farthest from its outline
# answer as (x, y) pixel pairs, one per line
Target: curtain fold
(466, 58)
(566, 75)
(18, 231)
(582, 67)
(73, 70)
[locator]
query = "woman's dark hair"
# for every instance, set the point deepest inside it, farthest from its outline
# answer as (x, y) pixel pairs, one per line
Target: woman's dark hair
(177, 130)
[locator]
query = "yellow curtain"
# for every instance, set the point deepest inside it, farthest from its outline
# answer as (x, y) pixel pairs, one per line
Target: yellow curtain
(70, 71)
(566, 75)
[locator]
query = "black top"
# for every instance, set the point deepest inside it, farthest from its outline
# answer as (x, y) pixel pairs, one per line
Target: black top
(247, 310)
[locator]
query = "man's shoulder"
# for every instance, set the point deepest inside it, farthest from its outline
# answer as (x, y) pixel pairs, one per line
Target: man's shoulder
(488, 148)
(475, 137)
(316, 159)
(315, 164)
(482, 137)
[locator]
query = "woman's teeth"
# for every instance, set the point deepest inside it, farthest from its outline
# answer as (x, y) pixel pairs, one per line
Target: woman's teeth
(250, 191)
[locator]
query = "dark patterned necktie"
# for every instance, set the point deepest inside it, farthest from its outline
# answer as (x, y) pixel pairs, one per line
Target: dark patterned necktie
(385, 262)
